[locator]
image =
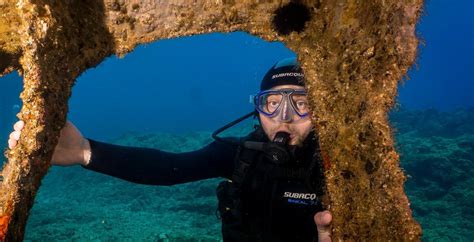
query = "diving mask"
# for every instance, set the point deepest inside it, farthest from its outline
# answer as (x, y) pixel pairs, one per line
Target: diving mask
(283, 105)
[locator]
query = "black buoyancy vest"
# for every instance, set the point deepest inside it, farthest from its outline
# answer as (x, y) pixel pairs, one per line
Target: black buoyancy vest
(266, 202)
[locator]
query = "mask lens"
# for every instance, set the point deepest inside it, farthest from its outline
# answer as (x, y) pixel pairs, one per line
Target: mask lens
(269, 102)
(300, 103)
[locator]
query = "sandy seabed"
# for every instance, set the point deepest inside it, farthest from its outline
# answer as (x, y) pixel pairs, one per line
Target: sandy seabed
(436, 148)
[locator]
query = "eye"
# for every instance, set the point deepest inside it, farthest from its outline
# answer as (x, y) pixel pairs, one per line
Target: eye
(301, 104)
(273, 104)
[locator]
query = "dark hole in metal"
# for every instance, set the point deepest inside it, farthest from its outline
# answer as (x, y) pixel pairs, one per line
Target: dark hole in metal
(370, 167)
(291, 17)
(5, 60)
(347, 174)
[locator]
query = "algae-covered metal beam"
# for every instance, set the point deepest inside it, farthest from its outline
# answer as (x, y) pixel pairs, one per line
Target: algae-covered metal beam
(353, 53)
(358, 52)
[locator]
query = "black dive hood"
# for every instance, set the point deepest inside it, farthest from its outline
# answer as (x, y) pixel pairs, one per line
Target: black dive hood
(278, 150)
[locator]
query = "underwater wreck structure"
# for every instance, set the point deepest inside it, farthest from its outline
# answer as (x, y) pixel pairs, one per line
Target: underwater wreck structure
(353, 52)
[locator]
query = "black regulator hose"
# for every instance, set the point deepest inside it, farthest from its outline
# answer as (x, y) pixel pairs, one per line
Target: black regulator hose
(220, 130)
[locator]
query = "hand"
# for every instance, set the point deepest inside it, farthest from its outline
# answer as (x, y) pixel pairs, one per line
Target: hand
(72, 147)
(322, 220)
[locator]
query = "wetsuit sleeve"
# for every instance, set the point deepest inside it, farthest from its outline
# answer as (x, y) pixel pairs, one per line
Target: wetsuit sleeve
(156, 167)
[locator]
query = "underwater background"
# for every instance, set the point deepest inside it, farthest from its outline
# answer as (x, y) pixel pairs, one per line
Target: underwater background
(172, 94)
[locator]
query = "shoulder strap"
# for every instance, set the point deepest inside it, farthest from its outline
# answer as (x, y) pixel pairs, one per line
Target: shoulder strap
(245, 158)
(243, 162)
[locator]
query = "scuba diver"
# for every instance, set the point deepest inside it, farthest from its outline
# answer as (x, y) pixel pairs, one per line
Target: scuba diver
(274, 177)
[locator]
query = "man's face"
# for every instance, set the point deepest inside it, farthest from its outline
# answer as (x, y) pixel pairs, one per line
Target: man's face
(297, 127)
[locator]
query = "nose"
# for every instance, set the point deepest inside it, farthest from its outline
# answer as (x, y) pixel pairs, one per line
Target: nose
(286, 114)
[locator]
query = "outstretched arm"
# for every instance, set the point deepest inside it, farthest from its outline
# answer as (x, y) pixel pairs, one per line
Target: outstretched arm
(139, 165)
(156, 167)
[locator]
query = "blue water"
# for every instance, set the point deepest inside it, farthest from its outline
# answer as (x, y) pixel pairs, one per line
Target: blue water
(202, 82)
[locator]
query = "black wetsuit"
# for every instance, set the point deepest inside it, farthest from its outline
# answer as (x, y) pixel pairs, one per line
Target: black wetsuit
(274, 204)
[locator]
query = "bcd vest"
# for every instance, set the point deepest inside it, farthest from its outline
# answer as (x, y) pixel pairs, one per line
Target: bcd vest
(267, 202)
